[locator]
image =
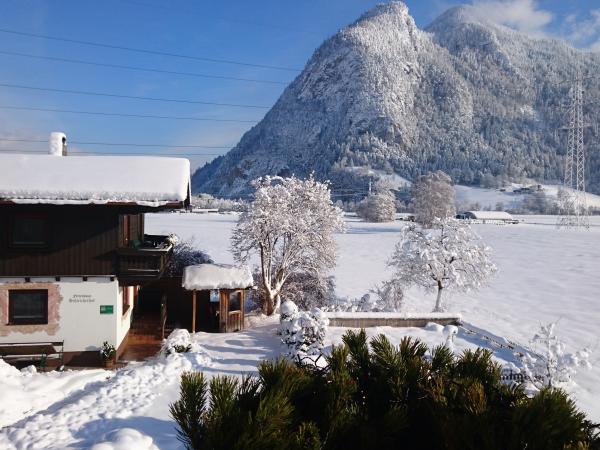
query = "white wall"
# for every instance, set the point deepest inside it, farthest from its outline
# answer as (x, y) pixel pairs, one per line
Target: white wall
(124, 320)
(78, 322)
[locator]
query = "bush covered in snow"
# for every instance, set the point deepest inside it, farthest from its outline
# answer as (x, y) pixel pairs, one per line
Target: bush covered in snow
(303, 332)
(185, 254)
(377, 396)
(385, 297)
(179, 341)
(306, 289)
(550, 365)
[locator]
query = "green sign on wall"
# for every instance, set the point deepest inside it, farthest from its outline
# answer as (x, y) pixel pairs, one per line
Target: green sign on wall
(106, 309)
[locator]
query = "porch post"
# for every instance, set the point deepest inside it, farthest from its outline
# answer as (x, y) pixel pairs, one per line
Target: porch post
(194, 311)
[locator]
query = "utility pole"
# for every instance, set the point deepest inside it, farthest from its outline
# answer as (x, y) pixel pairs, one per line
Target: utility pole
(573, 202)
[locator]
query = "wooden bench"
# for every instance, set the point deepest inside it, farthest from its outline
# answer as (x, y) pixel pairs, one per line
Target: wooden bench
(33, 351)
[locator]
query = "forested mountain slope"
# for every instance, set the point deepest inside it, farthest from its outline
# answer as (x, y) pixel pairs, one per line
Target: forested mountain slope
(463, 95)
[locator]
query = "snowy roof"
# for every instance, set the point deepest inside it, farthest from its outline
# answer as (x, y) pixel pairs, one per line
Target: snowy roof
(140, 180)
(216, 276)
(490, 215)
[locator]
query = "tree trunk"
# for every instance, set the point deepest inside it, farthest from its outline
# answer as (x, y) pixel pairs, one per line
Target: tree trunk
(438, 302)
(270, 302)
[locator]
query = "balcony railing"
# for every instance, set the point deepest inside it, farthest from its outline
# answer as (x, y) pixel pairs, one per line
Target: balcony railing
(144, 260)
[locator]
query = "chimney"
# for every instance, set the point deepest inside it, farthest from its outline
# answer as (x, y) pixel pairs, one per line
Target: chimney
(58, 144)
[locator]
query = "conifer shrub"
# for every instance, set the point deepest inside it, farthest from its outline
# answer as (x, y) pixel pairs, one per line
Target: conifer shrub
(375, 395)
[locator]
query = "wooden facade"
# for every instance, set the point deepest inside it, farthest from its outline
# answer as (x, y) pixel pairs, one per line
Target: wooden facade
(81, 241)
(230, 309)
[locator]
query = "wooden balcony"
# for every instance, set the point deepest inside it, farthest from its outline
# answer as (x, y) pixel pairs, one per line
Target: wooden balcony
(143, 261)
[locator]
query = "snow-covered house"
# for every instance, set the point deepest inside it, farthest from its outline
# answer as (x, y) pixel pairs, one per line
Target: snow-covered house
(487, 217)
(73, 252)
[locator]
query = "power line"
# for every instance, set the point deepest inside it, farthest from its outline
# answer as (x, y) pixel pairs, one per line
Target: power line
(147, 51)
(131, 97)
(141, 116)
(137, 68)
(117, 144)
(176, 9)
(82, 152)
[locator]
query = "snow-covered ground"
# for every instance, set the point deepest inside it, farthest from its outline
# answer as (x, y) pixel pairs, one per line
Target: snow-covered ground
(129, 409)
(545, 274)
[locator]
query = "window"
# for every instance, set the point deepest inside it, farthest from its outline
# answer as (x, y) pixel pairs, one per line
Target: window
(235, 301)
(29, 231)
(28, 307)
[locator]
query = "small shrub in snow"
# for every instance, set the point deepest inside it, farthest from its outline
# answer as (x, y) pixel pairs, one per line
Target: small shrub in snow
(367, 303)
(390, 296)
(108, 351)
(179, 341)
(551, 365)
(306, 289)
(303, 332)
(182, 348)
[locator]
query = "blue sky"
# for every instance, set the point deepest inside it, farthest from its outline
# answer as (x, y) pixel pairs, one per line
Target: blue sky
(276, 33)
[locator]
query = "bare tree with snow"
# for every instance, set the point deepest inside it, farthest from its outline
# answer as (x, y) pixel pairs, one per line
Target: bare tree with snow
(448, 257)
(432, 197)
(290, 226)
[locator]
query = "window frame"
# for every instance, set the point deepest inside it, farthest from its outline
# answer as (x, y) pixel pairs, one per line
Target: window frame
(11, 232)
(11, 321)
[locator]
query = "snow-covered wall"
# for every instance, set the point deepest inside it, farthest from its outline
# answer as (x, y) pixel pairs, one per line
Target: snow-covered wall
(74, 313)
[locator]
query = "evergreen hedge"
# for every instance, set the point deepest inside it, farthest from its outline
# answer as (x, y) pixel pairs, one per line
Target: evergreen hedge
(377, 396)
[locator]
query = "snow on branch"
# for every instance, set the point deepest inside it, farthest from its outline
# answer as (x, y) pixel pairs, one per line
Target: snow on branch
(290, 226)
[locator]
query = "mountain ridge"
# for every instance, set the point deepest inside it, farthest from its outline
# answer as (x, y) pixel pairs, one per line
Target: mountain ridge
(462, 95)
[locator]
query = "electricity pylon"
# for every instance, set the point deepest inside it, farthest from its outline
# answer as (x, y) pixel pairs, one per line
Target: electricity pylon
(572, 200)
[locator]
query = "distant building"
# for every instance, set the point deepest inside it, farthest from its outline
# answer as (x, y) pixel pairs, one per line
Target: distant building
(487, 217)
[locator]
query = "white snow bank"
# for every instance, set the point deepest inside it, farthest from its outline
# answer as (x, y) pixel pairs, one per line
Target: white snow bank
(148, 181)
(22, 393)
(216, 276)
(126, 439)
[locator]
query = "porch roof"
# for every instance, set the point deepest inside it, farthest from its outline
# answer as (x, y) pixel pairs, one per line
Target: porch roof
(216, 276)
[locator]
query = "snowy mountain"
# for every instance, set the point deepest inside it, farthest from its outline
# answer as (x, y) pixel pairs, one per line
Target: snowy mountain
(468, 97)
